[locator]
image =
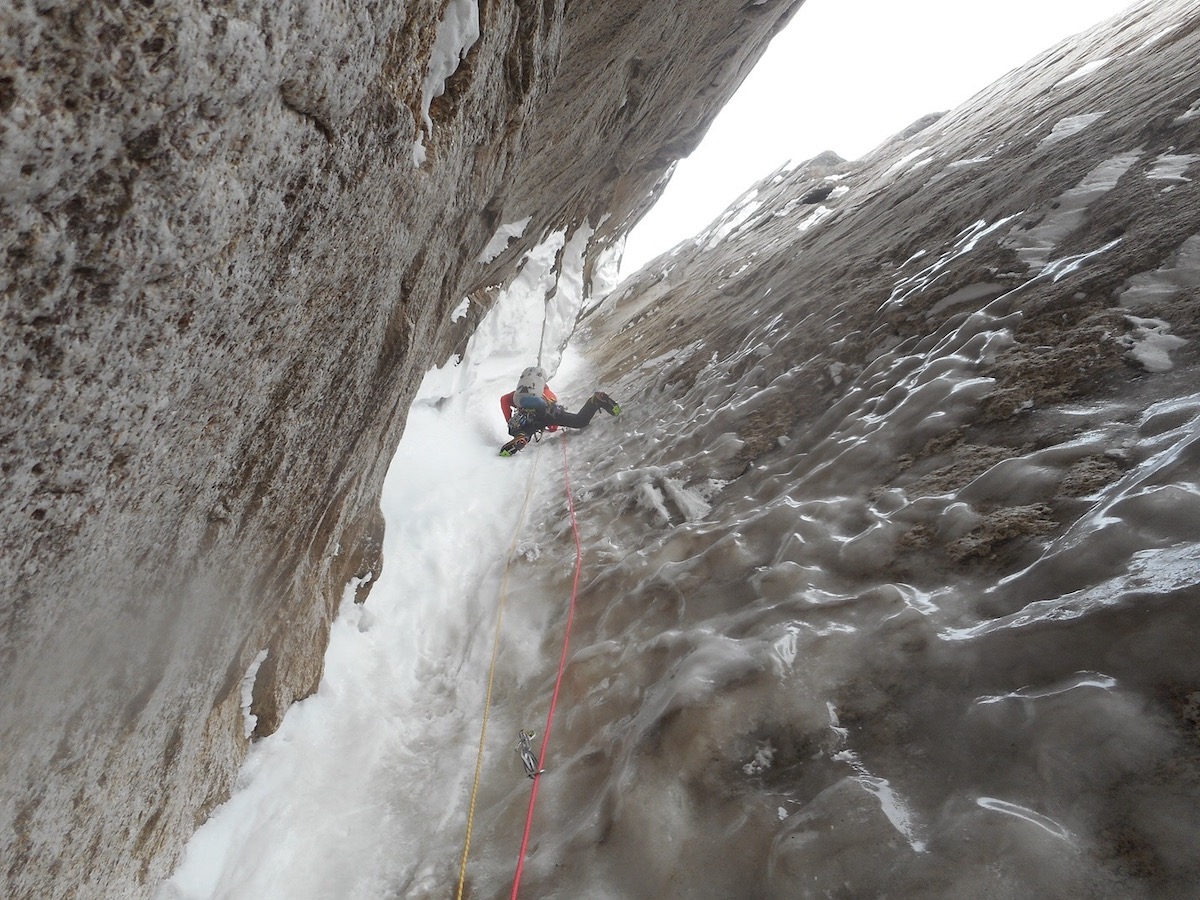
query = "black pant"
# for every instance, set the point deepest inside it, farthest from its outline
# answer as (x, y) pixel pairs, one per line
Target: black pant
(559, 416)
(556, 415)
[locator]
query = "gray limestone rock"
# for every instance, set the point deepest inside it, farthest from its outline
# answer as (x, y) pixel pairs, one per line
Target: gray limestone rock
(948, 395)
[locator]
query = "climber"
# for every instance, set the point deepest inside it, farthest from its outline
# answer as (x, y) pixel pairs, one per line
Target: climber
(525, 749)
(533, 408)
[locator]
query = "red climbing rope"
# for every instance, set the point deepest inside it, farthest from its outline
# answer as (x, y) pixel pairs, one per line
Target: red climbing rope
(562, 664)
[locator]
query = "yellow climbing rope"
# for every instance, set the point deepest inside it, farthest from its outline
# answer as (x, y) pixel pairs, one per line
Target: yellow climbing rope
(487, 702)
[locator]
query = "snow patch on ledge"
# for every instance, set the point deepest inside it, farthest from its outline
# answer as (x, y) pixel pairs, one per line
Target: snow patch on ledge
(1156, 37)
(974, 160)
(906, 159)
(1192, 113)
(1085, 70)
(1064, 128)
(731, 220)
(1150, 343)
(504, 235)
(814, 217)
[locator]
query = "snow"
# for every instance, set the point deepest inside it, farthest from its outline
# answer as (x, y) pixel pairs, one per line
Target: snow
(501, 239)
(1084, 71)
(973, 161)
(363, 791)
(756, 621)
(1180, 273)
(516, 330)
(906, 159)
(1156, 37)
(1067, 211)
(1193, 112)
(731, 220)
(384, 696)
(1150, 342)
(814, 217)
(1064, 128)
(1171, 166)
(457, 32)
(788, 208)
(247, 693)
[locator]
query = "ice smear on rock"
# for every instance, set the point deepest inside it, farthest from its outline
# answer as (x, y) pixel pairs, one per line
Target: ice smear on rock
(1155, 509)
(739, 625)
(249, 720)
(1180, 273)
(1035, 244)
(968, 239)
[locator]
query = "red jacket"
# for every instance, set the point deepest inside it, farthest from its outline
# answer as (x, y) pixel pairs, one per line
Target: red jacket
(506, 404)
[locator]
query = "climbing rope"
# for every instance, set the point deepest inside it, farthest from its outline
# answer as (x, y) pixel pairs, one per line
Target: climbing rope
(487, 702)
(550, 295)
(542, 340)
(562, 665)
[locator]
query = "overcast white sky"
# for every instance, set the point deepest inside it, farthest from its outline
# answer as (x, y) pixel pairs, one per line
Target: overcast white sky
(844, 76)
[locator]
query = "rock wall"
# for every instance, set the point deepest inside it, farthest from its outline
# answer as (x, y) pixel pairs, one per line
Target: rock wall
(892, 584)
(233, 237)
(1068, 185)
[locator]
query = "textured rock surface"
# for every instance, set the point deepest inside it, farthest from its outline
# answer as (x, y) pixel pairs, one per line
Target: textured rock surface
(223, 277)
(1069, 178)
(931, 632)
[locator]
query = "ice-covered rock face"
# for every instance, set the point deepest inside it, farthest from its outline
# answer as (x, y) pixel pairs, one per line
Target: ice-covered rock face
(235, 236)
(893, 575)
